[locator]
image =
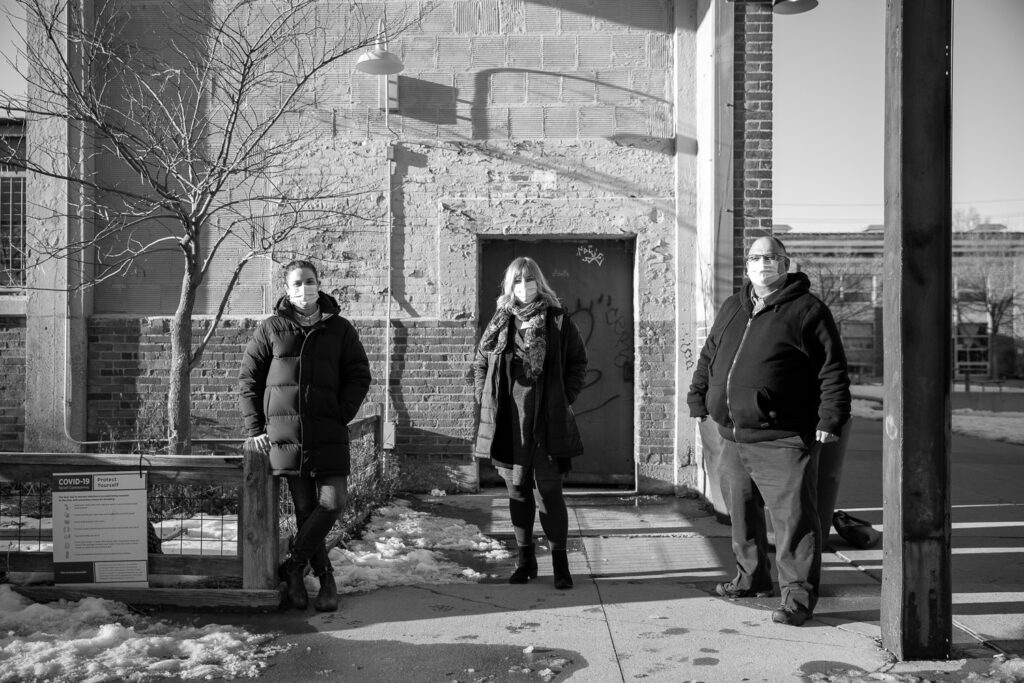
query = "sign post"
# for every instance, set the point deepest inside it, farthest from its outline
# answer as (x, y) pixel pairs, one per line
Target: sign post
(99, 529)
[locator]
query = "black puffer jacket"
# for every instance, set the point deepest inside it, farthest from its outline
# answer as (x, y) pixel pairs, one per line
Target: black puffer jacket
(781, 373)
(565, 367)
(302, 387)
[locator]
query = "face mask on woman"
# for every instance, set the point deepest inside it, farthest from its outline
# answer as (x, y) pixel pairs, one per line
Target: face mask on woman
(525, 291)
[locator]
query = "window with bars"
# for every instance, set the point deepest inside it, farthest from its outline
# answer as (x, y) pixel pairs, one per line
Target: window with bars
(12, 204)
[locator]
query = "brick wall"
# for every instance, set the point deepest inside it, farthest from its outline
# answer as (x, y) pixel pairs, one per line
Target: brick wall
(752, 128)
(129, 362)
(12, 384)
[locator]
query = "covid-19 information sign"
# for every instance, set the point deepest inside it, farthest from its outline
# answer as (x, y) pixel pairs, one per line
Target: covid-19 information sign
(99, 529)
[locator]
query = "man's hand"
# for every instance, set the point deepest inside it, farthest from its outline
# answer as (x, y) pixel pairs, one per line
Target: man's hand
(825, 437)
(261, 443)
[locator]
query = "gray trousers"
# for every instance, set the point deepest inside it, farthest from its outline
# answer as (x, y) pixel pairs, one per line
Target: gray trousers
(781, 476)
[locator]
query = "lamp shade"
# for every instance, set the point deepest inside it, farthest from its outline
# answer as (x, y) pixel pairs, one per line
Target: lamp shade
(379, 61)
(793, 6)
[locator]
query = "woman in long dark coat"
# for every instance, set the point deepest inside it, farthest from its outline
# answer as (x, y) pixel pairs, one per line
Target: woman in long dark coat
(303, 377)
(529, 369)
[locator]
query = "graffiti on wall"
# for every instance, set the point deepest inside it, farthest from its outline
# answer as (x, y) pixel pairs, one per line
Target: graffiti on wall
(599, 391)
(588, 254)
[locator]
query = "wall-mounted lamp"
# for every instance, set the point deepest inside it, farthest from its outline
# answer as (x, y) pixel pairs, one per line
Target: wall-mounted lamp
(793, 6)
(379, 62)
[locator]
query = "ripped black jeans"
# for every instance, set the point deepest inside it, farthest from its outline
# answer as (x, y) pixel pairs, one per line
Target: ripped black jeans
(318, 505)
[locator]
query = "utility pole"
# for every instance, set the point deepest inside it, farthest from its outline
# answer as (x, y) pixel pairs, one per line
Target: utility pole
(916, 611)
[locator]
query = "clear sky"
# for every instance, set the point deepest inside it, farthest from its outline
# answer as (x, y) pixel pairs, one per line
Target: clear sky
(829, 108)
(829, 93)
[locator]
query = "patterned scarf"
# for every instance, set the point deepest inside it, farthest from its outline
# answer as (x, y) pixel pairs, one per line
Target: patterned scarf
(533, 315)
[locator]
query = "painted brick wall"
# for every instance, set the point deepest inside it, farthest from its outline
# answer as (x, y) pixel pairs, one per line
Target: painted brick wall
(12, 383)
(752, 128)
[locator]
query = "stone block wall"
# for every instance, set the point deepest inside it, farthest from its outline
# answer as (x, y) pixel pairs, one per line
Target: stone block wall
(12, 383)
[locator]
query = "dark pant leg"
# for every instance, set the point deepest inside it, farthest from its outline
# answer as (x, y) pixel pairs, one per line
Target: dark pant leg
(746, 511)
(786, 473)
(554, 517)
(522, 506)
(318, 505)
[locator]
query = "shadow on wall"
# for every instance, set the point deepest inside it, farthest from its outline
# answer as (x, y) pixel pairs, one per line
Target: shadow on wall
(405, 159)
(643, 15)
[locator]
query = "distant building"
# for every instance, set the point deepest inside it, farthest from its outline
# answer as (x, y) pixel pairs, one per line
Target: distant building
(847, 271)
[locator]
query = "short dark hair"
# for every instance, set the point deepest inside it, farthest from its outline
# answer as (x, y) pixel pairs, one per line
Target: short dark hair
(295, 265)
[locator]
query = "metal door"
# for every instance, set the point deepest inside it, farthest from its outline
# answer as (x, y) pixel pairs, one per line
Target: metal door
(594, 280)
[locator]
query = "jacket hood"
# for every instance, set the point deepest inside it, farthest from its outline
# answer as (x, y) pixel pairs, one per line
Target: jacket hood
(797, 284)
(328, 305)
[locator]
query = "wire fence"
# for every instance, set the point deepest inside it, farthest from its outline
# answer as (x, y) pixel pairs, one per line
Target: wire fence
(197, 520)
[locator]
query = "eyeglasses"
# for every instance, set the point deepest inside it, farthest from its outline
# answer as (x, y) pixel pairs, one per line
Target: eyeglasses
(768, 259)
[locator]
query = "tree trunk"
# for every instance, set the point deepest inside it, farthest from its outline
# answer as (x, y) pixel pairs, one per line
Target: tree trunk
(179, 397)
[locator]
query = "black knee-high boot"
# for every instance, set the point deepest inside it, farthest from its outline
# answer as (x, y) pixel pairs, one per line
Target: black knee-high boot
(560, 566)
(526, 565)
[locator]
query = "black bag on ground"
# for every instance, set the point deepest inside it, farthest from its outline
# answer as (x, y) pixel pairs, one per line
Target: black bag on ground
(855, 531)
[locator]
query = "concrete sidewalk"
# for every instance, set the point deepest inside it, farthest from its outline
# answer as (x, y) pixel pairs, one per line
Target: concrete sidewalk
(643, 609)
(644, 606)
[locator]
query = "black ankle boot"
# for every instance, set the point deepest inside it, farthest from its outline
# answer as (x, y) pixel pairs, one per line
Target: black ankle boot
(327, 599)
(560, 565)
(526, 565)
(291, 573)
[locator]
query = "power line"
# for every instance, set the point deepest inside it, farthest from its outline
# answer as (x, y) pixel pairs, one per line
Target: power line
(879, 204)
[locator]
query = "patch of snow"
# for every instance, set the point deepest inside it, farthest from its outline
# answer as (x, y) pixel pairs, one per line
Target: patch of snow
(100, 640)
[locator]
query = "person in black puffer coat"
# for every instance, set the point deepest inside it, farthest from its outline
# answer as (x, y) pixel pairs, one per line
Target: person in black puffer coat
(303, 377)
(529, 368)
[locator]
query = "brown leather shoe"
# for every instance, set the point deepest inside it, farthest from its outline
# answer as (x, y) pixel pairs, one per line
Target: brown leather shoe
(729, 590)
(790, 616)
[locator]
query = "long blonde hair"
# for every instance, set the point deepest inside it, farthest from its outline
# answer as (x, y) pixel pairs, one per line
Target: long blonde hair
(524, 266)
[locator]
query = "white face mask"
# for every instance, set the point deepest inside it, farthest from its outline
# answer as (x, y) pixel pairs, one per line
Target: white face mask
(525, 291)
(764, 274)
(303, 296)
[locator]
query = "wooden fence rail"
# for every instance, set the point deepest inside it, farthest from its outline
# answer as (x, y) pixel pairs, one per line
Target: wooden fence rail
(258, 531)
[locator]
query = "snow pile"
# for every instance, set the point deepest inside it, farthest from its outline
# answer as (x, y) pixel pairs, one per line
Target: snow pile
(400, 547)
(100, 640)
(200, 535)
(32, 534)
(984, 424)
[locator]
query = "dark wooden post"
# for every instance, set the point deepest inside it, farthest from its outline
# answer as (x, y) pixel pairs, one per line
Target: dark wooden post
(916, 613)
(258, 521)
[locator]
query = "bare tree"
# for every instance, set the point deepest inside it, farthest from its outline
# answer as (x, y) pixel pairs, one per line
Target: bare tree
(192, 109)
(845, 282)
(988, 284)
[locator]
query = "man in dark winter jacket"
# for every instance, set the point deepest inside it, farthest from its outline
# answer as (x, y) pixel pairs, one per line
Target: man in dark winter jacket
(303, 377)
(773, 377)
